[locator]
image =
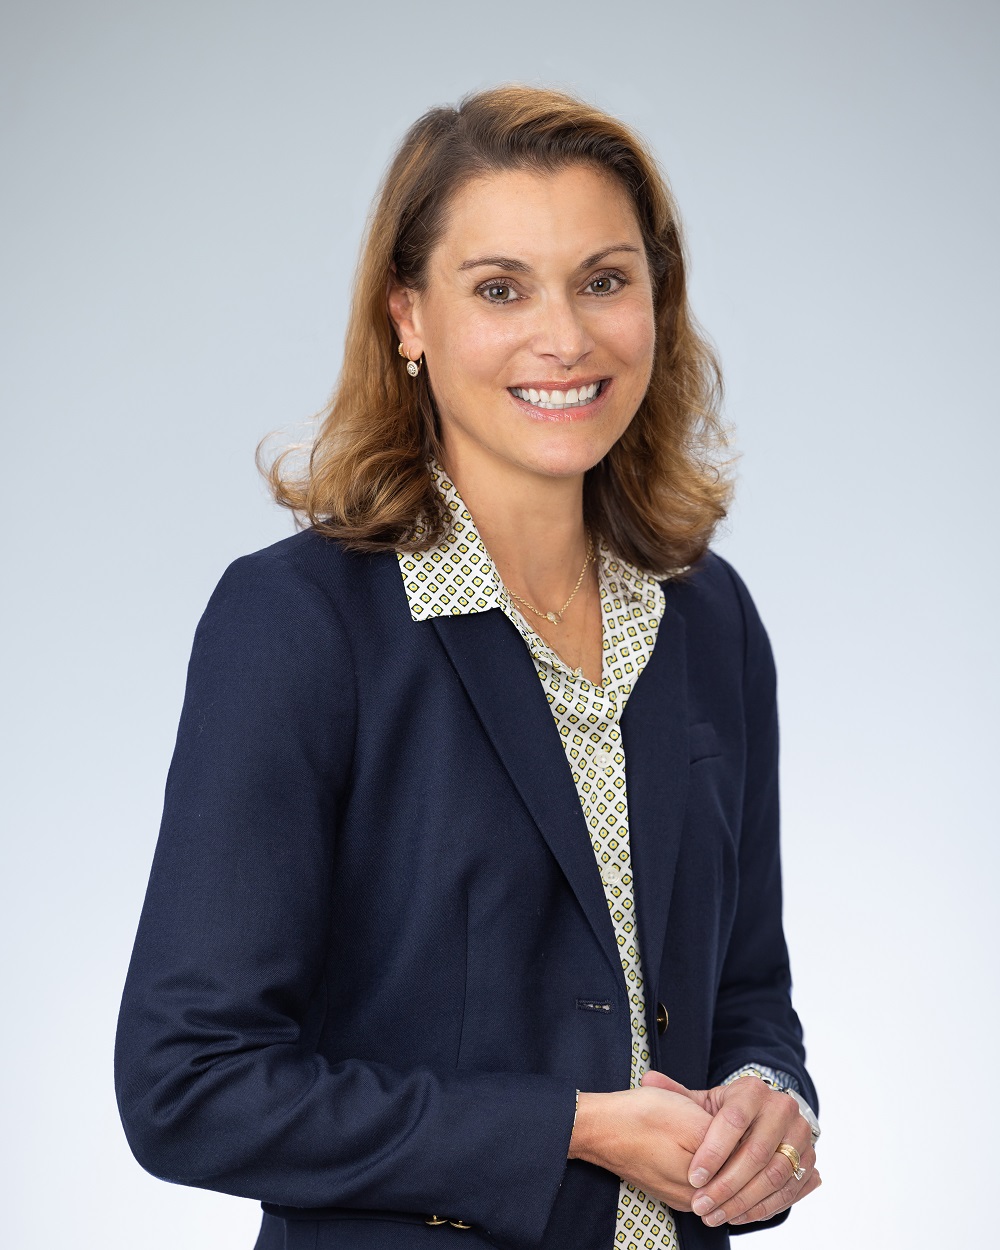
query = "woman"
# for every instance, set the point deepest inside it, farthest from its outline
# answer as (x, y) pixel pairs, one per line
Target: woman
(464, 919)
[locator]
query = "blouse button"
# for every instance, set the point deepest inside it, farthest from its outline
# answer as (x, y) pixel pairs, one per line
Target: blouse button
(602, 759)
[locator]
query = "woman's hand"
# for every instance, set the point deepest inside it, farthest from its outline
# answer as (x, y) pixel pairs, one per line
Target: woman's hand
(736, 1173)
(646, 1136)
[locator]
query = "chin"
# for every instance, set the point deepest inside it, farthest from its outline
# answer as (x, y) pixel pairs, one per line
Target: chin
(568, 461)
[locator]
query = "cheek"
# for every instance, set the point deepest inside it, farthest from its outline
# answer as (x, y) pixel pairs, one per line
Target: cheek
(473, 349)
(630, 332)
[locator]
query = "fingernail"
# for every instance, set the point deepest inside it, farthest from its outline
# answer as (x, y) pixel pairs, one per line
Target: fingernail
(698, 1177)
(717, 1216)
(702, 1205)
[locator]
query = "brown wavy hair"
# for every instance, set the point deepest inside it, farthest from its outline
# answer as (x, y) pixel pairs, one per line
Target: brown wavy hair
(658, 494)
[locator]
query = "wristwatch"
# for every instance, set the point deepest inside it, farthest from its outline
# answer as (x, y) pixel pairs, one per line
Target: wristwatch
(807, 1111)
(772, 1080)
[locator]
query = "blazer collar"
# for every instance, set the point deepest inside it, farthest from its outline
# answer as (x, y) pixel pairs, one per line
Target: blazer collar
(455, 585)
(499, 676)
(655, 739)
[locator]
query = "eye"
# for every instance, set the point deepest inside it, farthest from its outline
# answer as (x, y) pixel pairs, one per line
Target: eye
(608, 283)
(498, 293)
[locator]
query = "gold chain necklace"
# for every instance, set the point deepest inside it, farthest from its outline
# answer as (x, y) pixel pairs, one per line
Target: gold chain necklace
(556, 617)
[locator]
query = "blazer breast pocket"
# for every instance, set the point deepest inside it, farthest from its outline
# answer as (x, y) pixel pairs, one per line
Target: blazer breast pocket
(703, 742)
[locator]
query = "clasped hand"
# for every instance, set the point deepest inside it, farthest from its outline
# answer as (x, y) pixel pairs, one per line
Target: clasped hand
(712, 1151)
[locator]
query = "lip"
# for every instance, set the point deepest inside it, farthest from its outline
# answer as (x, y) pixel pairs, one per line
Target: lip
(566, 414)
(562, 384)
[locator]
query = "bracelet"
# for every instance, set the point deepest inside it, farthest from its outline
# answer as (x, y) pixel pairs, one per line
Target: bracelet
(804, 1110)
(771, 1084)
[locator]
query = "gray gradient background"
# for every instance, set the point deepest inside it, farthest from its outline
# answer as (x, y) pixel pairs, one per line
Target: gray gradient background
(185, 188)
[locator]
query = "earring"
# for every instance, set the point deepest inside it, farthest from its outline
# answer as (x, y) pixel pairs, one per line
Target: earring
(412, 366)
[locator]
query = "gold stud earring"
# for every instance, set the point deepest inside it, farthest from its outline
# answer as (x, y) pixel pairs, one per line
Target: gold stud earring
(412, 366)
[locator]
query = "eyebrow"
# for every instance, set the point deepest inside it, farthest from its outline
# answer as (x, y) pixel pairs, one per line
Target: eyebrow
(511, 265)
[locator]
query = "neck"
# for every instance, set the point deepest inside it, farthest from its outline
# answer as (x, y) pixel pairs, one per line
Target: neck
(531, 523)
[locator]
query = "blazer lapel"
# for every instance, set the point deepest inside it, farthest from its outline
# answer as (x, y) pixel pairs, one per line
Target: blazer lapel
(655, 739)
(499, 676)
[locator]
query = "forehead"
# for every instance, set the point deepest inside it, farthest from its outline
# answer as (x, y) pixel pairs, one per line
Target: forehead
(534, 215)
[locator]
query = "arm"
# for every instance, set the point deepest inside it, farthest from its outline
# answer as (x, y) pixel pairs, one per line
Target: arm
(735, 1170)
(755, 1022)
(218, 1082)
(647, 1136)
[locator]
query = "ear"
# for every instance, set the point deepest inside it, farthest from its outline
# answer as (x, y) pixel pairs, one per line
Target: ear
(404, 314)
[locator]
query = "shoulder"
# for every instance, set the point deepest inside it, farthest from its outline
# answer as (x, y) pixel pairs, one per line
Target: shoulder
(298, 592)
(307, 566)
(718, 608)
(714, 587)
(306, 556)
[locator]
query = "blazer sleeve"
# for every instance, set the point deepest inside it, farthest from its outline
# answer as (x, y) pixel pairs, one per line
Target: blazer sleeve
(755, 1022)
(217, 1083)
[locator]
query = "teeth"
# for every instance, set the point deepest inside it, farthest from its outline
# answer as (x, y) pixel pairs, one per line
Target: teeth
(573, 398)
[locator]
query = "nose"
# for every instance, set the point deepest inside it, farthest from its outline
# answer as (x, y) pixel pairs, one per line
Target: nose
(562, 333)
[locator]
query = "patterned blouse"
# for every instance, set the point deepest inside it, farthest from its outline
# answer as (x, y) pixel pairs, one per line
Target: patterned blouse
(456, 576)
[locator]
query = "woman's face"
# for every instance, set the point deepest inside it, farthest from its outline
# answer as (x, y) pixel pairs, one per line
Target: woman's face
(536, 321)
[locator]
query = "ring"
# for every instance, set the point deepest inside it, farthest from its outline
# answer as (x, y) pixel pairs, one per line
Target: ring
(792, 1155)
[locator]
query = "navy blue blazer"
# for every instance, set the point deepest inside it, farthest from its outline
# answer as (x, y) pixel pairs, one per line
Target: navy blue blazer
(375, 959)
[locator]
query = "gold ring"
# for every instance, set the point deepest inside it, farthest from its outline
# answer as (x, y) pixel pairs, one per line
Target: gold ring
(792, 1155)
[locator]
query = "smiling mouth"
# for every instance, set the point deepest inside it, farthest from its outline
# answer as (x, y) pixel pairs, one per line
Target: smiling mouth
(559, 400)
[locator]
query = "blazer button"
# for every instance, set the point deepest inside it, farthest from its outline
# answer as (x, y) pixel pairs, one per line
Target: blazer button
(662, 1019)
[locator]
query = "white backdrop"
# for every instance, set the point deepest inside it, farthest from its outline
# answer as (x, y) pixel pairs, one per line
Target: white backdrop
(185, 188)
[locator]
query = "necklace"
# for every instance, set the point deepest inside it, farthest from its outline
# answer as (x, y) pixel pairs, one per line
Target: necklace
(556, 617)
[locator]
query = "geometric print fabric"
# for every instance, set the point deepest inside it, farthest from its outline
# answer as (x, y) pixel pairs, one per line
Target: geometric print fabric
(458, 576)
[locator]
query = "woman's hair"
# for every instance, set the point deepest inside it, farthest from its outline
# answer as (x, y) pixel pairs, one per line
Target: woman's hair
(658, 494)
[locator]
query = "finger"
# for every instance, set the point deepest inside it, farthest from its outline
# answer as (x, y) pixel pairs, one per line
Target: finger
(773, 1188)
(742, 1103)
(662, 1081)
(659, 1080)
(752, 1153)
(774, 1204)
